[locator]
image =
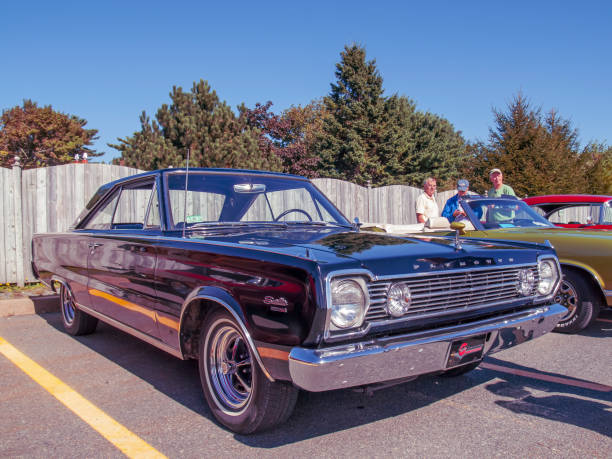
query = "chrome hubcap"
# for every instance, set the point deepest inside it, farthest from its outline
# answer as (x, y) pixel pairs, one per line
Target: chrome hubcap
(67, 306)
(230, 369)
(568, 297)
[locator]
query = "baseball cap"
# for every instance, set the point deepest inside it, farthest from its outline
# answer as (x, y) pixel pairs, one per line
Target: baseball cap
(463, 185)
(493, 171)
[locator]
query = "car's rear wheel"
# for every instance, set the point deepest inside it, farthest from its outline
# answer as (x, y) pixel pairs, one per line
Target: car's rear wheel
(76, 322)
(577, 294)
(238, 393)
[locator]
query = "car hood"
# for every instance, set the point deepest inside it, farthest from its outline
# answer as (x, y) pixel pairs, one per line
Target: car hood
(549, 233)
(587, 248)
(384, 254)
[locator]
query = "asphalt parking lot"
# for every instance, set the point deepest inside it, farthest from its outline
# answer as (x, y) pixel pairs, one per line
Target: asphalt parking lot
(548, 398)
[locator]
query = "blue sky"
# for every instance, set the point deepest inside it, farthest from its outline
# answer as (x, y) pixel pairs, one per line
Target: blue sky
(108, 61)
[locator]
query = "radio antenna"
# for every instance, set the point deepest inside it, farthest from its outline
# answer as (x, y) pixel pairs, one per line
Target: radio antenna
(185, 203)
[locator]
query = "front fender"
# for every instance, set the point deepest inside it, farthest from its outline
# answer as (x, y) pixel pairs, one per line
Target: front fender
(584, 267)
(225, 300)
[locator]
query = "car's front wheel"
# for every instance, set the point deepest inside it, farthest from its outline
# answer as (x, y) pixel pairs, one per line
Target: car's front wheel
(238, 393)
(577, 294)
(76, 322)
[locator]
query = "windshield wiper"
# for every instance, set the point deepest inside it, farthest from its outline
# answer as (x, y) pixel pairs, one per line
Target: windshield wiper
(217, 225)
(221, 227)
(316, 223)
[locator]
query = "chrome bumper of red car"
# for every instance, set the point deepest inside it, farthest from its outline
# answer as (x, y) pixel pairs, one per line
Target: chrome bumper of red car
(396, 357)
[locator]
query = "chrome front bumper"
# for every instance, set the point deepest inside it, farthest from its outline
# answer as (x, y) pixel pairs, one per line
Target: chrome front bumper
(396, 357)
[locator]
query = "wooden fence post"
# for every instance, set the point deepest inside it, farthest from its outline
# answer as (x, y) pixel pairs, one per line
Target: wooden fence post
(18, 214)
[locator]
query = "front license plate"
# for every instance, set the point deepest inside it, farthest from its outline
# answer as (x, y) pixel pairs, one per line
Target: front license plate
(465, 351)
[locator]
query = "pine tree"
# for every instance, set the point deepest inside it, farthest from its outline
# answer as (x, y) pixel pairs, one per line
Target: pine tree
(198, 121)
(368, 137)
(40, 136)
(538, 154)
(597, 160)
(351, 138)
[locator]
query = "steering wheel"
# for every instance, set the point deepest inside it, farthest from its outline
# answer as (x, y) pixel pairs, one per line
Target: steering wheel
(288, 211)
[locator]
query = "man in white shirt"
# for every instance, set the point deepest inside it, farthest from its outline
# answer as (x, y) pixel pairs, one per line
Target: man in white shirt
(426, 206)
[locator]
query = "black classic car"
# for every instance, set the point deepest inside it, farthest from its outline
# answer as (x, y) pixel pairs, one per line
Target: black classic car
(262, 280)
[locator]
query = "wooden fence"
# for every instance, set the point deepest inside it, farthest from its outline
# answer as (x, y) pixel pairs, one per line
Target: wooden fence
(49, 200)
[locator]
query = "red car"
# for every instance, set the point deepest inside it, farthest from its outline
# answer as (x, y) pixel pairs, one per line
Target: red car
(575, 210)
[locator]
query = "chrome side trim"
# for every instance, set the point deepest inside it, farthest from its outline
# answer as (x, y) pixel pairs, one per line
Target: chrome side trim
(121, 326)
(59, 280)
(608, 296)
(132, 331)
(49, 284)
(395, 357)
(228, 308)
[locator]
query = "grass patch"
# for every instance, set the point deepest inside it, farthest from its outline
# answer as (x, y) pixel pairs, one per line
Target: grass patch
(31, 289)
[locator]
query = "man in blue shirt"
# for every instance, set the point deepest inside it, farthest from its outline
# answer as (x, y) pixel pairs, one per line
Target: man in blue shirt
(452, 210)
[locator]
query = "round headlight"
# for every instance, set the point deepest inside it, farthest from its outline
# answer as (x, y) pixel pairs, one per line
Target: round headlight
(348, 303)
(548, 276)
(526, 282)
(399, 299)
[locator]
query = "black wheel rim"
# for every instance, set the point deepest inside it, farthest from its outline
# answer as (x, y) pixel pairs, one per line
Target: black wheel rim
(230, 369)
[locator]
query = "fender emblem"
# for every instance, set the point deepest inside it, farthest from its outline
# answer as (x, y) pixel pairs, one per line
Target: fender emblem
(280, 301)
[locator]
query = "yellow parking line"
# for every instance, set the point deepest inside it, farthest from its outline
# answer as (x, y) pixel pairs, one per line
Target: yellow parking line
(129, 443)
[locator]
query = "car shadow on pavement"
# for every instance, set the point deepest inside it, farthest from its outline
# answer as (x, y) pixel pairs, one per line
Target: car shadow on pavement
(601, 327)
(318, 414)
(178, 379)
(551, 396)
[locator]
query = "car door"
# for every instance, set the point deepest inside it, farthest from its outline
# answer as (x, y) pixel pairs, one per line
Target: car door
(122, 256)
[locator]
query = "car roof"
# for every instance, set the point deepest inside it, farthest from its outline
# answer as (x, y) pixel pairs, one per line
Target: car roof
(478, 197)
(204, 169)
(566, 199)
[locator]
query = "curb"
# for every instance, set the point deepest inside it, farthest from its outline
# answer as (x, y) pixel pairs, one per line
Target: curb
(29, 305)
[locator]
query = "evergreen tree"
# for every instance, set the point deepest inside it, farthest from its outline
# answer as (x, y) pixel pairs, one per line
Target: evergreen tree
(537, 154)
(40, 136)
(431, 148)
(384, 140)
(350, 144)
(597, 160)
(197, 120)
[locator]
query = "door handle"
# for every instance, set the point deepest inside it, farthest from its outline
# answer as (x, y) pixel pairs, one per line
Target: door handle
(93, 245)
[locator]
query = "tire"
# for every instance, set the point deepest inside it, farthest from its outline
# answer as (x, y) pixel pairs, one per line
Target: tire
(577, 294)
(238, 393)
(458, 371)
(75, 322)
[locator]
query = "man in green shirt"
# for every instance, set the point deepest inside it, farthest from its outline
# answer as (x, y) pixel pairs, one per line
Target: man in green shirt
(499, 187)
(497, 191)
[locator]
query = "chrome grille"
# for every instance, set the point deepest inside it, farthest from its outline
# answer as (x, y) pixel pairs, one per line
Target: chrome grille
(444, 293)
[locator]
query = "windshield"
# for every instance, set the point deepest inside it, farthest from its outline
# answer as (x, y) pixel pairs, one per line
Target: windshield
(504, 213)
(218, 198)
